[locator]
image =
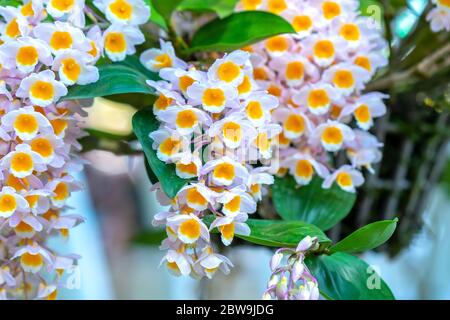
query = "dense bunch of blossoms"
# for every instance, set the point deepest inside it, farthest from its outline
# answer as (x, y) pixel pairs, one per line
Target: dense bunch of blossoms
(216, 126)
(291, 278)
(319, 74)
(45, 48)
(439, 16)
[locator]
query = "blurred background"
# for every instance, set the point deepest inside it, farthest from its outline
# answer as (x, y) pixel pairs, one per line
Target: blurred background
(120, 248)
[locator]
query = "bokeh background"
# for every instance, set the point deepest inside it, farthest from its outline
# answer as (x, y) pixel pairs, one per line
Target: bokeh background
(120, 248)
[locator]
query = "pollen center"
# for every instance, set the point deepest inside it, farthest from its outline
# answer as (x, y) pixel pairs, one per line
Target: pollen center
(121, 9)
(115, 42)
(276, 6)
(362, 113)
(22, 161)
(295, 123)
(42, 90)
(195, 197)
(71, 69)
(277, 43)
(42, 146)
(163, 60)
(302, 23)
(12, 29)
(170, 146)
(363, 62)
(344, 79)
(324, 49)
(26, 123)
(344, 179)
(227, 230)
(225, 171)
(186, 119)
(254, 110)
(350, 32)
(190, 228)
(61, 191)
(245, 86)
(294, 70)
(61, 40)
(27, 56)
(228, 71)
(304, 169)
(318, 98)
(331, 9)
(63, 5)
(213, 97)
(32, 260)
(7, 203)
(232, 131)
(185, 82)
(332, 135)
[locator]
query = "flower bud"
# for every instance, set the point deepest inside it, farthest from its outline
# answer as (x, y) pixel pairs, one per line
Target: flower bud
(275, 261)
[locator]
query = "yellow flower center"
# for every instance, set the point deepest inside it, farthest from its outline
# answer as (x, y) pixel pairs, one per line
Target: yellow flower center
(224, 171)
(213, 97)
(350, 32)
(27, 56)
(344, 79)
(121, 9)
(324, 49)
(228, 71)
(362, 113)
(42, 146)
(163, 60)
(61, 191)
(332, 135)
(254, 110)
(62, 5)
(294, 123)
(186, 119)
(245, 86)
(318, 98)
(277, 43)
(71, 69)
(363, 62)
(344, 179)
(331, 9)
(302, 23)
(232, 131)
(190, 228)
(26, 123)
(276, 6)
(294, 70)
(185, 82)
(61, 40)
(170, 146)
(12, 29)
(21, 162)
(7, 203)
(115, 42)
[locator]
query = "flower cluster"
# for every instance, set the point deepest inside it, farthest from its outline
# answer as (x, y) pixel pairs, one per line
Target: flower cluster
(439, 16)
(318, 74)
(291, 279)
(43, 50)
(215, 125)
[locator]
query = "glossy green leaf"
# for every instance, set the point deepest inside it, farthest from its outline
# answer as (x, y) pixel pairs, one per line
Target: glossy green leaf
(123, 77)
(145, 122)
(342, 276)
(312, 204)
(278, 233)
(12, 3)
(367, 237)
(155, 16)
(238, 30)
(165, 8)
(222, 8)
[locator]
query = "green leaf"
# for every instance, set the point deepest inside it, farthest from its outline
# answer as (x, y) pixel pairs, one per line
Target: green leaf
(127, 76)
(342, 276)
(313, 204)
(277, 233)
(150, 237)
(12, 3)
(238, 30)
(155, 16)
(222, 8)
(367, 238)
(165, 8)
(145, 122)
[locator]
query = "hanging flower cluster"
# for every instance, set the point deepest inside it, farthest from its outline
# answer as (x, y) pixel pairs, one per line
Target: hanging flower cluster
(318, 74)
(215, 125)
(43, 51)
(439, 16)
(291, 279)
